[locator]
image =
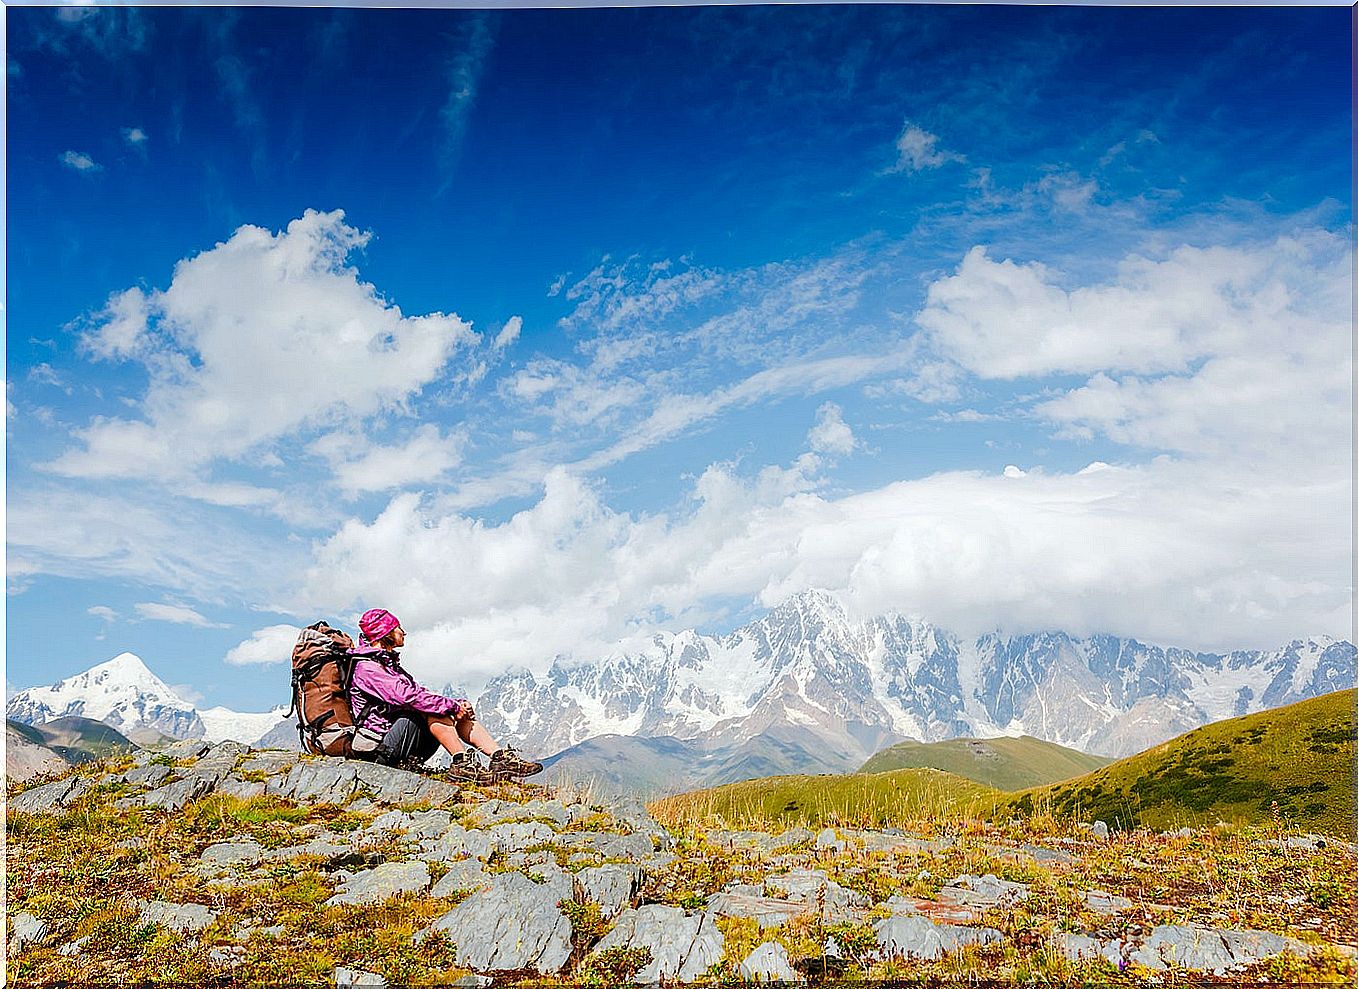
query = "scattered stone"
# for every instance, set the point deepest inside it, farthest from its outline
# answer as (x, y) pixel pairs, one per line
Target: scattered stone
(496, 811)
(611, 886)
(514, 924)
(322, 847)
(1181, 833)
(744, 889)
(188, 748)
(49, 797)
(629, 847)
(458, 842)
(230, 854)
(463, 874)
(27, 929)
(768, 963)
(424, 824)
(828, 841)
(946, 913)
(230, 955)
(1100, 830)
(1079, 947)
(382, 883)
(1210, 950)
(1107, 903)
(234, 786)
(473, 982)
(345, 977)
(759, 841)
(983, 891)
(73, 948)
(916, 936)
(336, 781)
(769, 912)
(519, 835)
(1041, 854)
(681, 945)
(813, 887)
(269, 761)
(175, 796)
(152, 775)
(184, 918)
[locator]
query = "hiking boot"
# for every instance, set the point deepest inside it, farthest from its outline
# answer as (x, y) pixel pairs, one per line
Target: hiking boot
(508, 763)
(467, 768)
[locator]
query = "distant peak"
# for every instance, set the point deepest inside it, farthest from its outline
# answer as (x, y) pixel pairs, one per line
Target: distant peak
(126, 661)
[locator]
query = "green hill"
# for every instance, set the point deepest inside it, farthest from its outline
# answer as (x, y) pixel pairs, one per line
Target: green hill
(1298, 756)
(82, 739)
(1002, 763)
(881, 799)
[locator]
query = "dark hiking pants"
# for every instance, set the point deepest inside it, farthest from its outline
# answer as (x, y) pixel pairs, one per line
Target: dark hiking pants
(408, 743)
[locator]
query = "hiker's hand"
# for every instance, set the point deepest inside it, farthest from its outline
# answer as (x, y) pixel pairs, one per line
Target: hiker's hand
(465, 711)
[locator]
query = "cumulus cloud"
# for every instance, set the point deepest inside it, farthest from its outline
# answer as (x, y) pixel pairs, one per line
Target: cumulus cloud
(103, 612)
(509, 332)
(360, 465)
(176, 614)
(134, 136)
(831, 434)
(1234, 350)
(1174, 552)
(917, 150)
(79, 161)
(265, 646)
(255, 338)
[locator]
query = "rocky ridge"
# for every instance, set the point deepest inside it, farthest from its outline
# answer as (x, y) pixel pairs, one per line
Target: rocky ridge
(521, 882)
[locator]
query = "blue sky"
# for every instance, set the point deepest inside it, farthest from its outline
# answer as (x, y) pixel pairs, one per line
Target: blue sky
(547, 329)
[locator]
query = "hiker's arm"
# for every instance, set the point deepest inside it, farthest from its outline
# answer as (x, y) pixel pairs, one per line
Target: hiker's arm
(398, 691)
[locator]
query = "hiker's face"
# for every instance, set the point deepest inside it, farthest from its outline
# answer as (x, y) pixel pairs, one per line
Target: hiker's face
(398, 637)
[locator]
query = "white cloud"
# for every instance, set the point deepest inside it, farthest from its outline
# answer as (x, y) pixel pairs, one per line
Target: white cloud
(831, 434)
(1238, 351)
(187, 693)
(1178, 553)
(266, 645)
(260, 336)
(176, 614)
(509, 332)
(102, 612)
(79, 161)
(917, 150)
(360, 465)
(134, 136)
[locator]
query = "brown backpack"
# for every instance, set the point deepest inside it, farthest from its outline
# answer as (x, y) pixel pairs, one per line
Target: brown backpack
(322, 670)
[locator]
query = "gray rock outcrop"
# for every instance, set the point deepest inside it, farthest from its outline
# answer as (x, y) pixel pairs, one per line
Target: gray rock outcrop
(381, 883)
(768, 963)
(682, 946)
(514, 924)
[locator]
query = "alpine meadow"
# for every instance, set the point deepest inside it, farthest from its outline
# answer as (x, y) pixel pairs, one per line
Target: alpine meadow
(674, 495)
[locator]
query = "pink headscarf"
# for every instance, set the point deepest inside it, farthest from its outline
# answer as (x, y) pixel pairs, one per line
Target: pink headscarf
(376, 623)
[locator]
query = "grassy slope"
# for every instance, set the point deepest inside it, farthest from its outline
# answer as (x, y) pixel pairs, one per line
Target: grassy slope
(882, 799)
(1299, 756)
(82, 739)
(1003, 763)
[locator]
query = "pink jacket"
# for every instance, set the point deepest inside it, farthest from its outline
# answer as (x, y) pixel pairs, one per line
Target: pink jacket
(387, 691)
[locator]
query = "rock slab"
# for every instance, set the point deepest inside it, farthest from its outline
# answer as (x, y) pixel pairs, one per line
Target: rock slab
(514, 924)
(681, 945)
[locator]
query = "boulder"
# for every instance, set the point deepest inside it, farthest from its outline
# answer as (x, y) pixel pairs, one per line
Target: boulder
(345, 977)
(766, 910)
(335, 781)
(234, 786)
(768, 963)
(611, 886)
(1106, 903)
(50, 797)
(519, 835)
(817, 890)
(187, 748)
(459, 842)
(151, 775)
(231, 854)
(829, 842)
(1079, 947)
(381, 883)
(462, 874)
(916, 936)
(496, 811)
(681, 946)
(982, 891)
(175, 796)
(184, 918)
(513, 924)
(1210, 950)
(26, 929)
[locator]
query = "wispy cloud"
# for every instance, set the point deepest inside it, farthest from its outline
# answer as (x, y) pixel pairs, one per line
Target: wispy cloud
(474, 43)
(79, 161)
(917, 150)
(175, 614)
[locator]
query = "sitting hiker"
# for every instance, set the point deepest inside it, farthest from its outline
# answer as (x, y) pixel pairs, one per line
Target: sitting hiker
(405, 724)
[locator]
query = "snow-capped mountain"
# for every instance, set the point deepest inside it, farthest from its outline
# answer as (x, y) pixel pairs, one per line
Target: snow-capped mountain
(850, 688)
(121, 692)
(125, 694)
